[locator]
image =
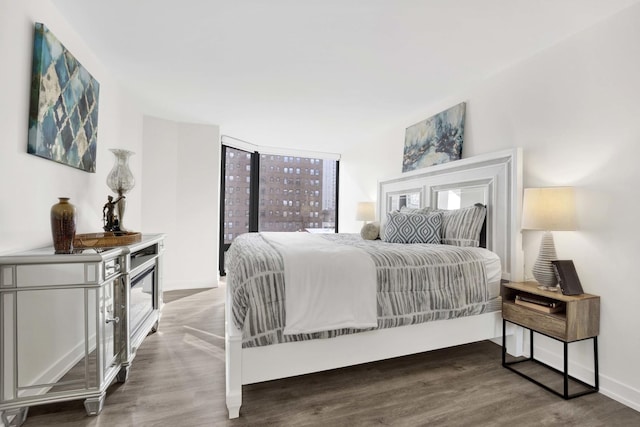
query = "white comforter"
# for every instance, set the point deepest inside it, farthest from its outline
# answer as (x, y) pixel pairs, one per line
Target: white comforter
(328, 286)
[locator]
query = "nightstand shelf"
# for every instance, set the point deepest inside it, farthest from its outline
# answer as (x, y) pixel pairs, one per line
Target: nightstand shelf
(578, 320)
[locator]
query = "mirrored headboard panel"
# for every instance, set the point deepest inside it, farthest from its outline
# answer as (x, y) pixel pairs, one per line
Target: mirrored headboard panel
(494, 180)
(457, 197)
(410, 198)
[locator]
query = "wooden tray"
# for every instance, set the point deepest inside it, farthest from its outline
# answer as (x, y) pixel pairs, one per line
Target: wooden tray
(105, 240)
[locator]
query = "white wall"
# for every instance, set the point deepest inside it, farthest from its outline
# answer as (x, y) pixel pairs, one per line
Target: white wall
(181, 174)
(30, 184)
(575, 110)
(177, 166)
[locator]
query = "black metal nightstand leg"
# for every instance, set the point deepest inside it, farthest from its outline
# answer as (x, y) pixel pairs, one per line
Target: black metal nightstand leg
(504, 342)
(566, 370)
(595, 364)
(531, 344)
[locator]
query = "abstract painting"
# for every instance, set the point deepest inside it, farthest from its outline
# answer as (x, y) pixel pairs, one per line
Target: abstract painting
(63, 111)
(435, 140)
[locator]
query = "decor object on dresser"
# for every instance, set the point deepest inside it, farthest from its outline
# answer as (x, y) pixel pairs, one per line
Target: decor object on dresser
(435, 140)
(120, 180)
(63, 226)
(63, 111)
(71, 324)
(548, 209)
(107, 239)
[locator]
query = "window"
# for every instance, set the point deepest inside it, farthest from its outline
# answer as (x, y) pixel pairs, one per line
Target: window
(277, 192)
(298, 193)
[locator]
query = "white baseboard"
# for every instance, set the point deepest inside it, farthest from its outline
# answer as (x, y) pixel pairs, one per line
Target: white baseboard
(620, 392)
(196, 284)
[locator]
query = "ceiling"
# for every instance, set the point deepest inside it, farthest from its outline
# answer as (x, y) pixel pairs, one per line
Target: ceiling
(315, 74)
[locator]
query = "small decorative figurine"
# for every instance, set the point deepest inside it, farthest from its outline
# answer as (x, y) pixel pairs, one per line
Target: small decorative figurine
(109, 219)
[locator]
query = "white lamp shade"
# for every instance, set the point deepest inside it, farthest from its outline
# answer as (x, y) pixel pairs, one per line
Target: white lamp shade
(550, 209)
(366, 211)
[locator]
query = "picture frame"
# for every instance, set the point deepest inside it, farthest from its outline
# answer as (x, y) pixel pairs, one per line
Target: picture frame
(63, 111)
(435, 140)
(567, 276)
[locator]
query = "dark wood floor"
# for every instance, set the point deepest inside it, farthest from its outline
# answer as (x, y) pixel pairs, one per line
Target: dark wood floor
(177, 379)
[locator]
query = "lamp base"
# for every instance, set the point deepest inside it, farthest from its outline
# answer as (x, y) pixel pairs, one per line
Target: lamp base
(122, 205)
(543, 269)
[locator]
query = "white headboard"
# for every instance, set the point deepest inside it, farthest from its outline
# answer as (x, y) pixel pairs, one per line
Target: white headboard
(498, 175)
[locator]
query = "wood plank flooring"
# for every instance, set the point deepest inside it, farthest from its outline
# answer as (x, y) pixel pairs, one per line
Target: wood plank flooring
(177, 379)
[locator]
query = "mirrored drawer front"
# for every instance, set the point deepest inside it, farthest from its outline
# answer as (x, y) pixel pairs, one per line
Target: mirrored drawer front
(112, 268)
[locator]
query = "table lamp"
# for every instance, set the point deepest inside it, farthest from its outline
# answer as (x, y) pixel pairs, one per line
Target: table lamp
(549, 209)
(120, 180)
(366, 211)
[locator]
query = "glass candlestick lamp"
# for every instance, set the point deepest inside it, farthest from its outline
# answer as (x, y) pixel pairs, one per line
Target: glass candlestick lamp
(120, 180)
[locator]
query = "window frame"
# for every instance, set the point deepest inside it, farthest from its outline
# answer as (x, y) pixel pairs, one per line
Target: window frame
(254, 188)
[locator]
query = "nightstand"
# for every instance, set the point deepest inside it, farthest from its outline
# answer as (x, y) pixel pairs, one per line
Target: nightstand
(576, 318)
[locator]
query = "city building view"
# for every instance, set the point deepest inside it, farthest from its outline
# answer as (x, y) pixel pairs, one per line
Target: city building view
(295, 193)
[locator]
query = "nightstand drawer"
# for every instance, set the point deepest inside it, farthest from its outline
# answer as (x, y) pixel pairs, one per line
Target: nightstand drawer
(548, 324)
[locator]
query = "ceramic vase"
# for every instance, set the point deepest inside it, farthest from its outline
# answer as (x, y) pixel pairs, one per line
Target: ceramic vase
(543, 269)
(63, 226)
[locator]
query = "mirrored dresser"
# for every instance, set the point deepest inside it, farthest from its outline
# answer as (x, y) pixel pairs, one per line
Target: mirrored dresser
(71, 324)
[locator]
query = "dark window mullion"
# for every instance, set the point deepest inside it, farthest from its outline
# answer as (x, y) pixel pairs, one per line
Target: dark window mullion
(223, 247)
(337, 192)
(254, 192)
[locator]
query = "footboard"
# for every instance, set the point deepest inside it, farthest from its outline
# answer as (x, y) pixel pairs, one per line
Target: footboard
(258, 364)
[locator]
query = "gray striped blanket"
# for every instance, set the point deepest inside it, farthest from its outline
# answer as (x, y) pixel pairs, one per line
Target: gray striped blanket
(416, 283)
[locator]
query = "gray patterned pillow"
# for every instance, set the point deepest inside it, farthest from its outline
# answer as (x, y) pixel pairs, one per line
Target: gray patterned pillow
(412, 227)
(462, 227)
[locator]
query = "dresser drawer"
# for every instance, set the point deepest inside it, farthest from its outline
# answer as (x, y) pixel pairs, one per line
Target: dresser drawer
(554, 325)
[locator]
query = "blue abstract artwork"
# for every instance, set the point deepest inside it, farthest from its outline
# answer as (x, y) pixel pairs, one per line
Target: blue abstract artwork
(435, 140)
(63, 111)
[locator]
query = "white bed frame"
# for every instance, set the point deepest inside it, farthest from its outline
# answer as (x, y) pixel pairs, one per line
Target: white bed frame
(500, 174)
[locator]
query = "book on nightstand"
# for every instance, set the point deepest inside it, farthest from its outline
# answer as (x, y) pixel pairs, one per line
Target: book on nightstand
(543, 305)
(567, 277)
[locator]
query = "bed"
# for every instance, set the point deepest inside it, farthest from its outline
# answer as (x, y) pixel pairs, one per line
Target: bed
(257, 346)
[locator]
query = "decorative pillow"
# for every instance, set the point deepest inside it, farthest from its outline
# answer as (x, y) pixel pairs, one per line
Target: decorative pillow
(405, 209)
(462, 227)
(412, 227)
(370, 231)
